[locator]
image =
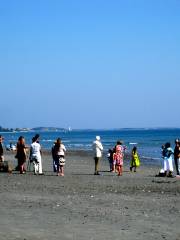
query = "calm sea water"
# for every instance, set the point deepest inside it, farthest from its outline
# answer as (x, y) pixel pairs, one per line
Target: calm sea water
(148, 141)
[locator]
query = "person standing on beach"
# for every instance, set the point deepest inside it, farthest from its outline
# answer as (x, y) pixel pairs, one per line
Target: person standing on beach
(21, 154)
(177, 156)
(54, 157)
(118, 157)
(135, 162)
(1, 149)
(110, 159)
(98, 148)
(59, 154)
(35, 155)
(168, 158)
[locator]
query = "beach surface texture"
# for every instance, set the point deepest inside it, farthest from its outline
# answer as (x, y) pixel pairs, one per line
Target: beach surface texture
(82, 206)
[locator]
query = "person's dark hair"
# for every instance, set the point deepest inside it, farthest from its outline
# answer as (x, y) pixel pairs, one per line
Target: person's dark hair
(167, 145)
(134, 149)
(36, 137)
(21, 140)
(119, 143)
(57, 144)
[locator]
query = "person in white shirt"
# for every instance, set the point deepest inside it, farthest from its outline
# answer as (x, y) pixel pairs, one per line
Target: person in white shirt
(35, 155)
(98, 148)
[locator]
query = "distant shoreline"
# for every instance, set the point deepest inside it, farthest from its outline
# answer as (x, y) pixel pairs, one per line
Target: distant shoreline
(54, 129)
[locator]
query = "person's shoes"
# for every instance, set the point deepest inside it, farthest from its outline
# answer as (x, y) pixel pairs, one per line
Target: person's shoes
(41, 173)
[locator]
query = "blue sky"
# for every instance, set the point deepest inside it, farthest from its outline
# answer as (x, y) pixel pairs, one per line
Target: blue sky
(90, 64)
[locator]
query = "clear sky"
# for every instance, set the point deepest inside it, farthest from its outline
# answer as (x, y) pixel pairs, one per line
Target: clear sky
(90, 64)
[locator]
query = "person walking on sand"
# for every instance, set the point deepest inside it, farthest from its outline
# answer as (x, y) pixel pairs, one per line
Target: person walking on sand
(1, 149)
(177, 156)
(135, 162)
(118, 157)
(59, 155)
(98, 148)
(21, 154)
(35, 155)
(168, 158)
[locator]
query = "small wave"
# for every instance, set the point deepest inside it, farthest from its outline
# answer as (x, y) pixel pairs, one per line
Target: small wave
(48, 140)
(153, 158)
(133, 143)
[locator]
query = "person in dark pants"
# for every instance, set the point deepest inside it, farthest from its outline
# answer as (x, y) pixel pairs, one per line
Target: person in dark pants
(177, 156)
(1, 149)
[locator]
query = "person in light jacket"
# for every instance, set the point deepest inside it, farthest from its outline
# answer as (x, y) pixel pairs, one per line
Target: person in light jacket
(35, 155)
(98, 148)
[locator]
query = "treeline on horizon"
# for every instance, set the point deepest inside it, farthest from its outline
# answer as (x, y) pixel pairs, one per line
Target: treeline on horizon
(30, 129)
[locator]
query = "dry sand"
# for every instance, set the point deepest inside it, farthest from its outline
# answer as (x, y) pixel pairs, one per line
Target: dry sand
(83, 206)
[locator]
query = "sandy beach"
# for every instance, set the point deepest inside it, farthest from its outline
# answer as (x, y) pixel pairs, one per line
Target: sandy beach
(82, 206)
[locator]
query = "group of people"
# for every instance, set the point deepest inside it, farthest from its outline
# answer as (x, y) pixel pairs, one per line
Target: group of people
(115, 157)
(35, 155)
(167, 155)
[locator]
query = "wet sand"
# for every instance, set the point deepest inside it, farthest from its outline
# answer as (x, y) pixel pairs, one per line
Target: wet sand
(83, 206)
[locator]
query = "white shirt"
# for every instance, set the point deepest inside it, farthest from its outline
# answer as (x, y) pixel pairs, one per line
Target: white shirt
(98, 148)
(62, 150)
(36, 150)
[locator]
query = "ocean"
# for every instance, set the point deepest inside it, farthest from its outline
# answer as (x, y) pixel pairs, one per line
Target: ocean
(148, 141)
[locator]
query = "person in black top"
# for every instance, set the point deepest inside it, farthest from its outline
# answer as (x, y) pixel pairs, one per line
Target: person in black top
(177, 155)
(1, 149)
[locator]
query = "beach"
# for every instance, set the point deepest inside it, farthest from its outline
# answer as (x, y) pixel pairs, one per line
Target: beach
(83, 206)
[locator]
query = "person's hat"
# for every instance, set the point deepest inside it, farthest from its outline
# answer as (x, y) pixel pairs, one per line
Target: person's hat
(177, 140)
(98, 138)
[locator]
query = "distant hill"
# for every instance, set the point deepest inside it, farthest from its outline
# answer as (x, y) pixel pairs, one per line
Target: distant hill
(6, 129)
(48, 129)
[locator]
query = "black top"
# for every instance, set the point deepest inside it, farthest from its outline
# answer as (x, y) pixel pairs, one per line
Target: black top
(176, 151)
(1, 149)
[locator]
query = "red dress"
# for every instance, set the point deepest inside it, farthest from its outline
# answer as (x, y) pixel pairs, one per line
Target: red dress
(118, 155)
